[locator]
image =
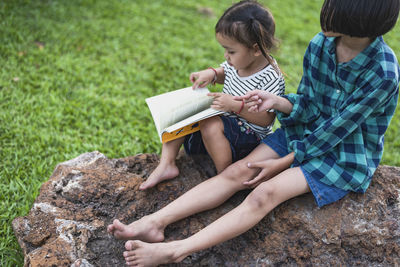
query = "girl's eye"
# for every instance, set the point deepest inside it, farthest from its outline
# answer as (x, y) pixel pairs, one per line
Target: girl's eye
(231, 52)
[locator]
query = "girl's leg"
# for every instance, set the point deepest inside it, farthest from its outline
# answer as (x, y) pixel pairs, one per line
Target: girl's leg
(217, 189)
(212, 132)
(258, 203)
(166, 169)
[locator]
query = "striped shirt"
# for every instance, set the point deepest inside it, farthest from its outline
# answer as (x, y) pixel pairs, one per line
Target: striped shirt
(341, 112)
(267, 79)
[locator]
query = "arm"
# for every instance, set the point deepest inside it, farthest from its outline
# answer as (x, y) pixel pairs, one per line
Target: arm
(357, 109)
(227, 103)
(203, 78)
(269, 168)
(270, 86)
(258, 101)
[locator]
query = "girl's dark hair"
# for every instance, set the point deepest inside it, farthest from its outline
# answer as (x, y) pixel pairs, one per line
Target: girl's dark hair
(249, 23)
(359, 18)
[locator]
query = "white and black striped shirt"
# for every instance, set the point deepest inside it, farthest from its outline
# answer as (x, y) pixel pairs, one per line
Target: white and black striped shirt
(267, 79)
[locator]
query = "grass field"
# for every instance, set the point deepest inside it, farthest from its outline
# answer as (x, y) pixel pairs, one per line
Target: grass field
(75, 74)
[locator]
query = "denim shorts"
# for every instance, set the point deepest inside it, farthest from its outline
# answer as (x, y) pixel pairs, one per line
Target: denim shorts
(323, 194)
(242, 140)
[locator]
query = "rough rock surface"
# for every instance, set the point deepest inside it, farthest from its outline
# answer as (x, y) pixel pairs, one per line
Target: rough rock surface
(67, 223)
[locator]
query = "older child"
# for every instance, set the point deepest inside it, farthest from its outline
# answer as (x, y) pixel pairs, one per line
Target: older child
(246, 32)
(330, 143)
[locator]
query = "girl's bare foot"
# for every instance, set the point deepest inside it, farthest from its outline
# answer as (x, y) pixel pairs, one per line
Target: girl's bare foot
(144, 229)
(161, 173)
(143, 254)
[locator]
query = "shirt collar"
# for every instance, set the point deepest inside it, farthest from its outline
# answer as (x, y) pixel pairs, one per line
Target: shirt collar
(362, 59)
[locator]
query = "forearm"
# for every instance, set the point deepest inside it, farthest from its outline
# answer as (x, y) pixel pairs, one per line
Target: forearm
(283, 105)
(220, 75)
(262, 118)
(286, 161)
(283, 163)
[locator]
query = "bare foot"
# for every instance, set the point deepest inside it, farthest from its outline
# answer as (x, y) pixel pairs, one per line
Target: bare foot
(144, 229)
(161, 173)
(143, 254)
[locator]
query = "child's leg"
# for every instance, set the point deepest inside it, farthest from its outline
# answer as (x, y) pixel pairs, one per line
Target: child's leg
(166, 169)
(258, 203)
(218, 147)
(216, 189)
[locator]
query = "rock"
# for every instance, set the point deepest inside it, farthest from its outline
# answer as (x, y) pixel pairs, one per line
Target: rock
(67, 223)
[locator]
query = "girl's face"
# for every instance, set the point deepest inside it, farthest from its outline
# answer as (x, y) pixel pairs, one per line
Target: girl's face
(236, 54)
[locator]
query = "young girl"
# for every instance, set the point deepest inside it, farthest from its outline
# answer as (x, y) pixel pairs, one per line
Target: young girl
(246, 31)
(330, 143)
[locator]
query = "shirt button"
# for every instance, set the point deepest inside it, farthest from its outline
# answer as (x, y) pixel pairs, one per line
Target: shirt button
(338, 91)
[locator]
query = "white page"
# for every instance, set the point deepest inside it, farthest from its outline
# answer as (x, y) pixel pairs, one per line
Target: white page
(171, 107)
(195, 118)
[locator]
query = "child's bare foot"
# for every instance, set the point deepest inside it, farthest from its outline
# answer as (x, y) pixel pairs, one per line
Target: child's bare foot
(143, 254)
(161, 173)
(144, 229)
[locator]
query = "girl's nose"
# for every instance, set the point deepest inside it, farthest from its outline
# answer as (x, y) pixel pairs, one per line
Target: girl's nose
(226, 55)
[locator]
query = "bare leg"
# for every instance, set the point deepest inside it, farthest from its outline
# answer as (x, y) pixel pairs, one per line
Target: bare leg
(212, 132)
(259, 203)
(217, 189)
(166, 169)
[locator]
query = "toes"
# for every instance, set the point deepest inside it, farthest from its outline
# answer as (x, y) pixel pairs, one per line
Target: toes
(117, 223)
(110, 228)
(143, 186)
(131, 245)
(132, 263)
(130, 258)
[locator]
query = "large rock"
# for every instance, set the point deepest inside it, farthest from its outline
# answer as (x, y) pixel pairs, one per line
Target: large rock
(67, 223)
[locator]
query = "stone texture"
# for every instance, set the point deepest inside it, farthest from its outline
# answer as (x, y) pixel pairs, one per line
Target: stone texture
(67, 223)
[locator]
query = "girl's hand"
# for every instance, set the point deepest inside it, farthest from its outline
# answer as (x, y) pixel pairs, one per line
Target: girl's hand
(258, 100)
(269, 168)
(223, 102)
(202, 78)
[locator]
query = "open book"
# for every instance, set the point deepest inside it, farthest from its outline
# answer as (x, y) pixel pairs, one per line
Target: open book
(179, 112)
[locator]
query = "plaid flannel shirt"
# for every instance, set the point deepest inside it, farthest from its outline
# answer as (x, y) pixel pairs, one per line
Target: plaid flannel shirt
(341, 112)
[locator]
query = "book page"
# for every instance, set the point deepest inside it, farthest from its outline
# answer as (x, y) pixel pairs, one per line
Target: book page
(172, 107)
(194, 118)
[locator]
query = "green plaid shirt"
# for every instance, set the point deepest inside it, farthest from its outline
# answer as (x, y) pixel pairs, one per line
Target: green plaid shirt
(341, 112)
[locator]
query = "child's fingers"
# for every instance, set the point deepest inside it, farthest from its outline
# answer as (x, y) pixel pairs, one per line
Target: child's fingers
(252, 103)
(241, 97)
(195, 84)
(252, 108)
(256, 179)
(214, 94)
(252, 165)
(252, 94)
(217, 107)
(201, 84)
(193, 76)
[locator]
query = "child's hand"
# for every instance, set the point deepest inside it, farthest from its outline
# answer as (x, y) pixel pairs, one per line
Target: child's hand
(223, 102)
(268, 170)
(258, 100)
(200, 79)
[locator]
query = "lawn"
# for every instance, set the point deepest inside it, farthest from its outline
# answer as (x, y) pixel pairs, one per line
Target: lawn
(75, 74)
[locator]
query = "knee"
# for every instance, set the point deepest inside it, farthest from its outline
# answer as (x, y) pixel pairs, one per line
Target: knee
(262, 197)
(238, 172)
(211, 127)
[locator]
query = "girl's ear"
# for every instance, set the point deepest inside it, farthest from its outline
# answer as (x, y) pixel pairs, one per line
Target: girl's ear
(257, 50)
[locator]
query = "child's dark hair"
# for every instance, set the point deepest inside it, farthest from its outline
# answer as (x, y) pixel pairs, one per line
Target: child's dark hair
(249, 23)
(359, 18)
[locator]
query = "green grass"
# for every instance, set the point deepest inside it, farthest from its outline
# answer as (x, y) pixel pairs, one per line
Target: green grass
(75, 74)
